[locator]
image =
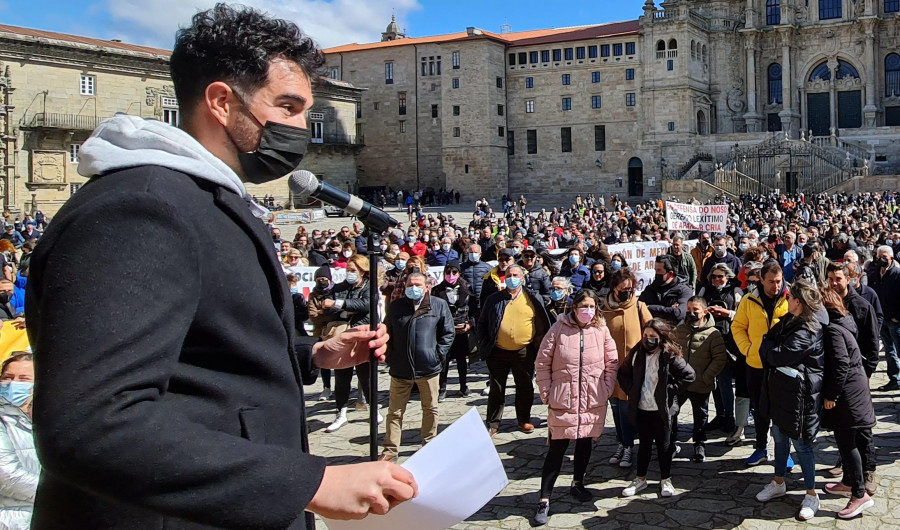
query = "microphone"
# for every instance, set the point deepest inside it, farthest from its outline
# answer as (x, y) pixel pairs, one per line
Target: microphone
(304, 184)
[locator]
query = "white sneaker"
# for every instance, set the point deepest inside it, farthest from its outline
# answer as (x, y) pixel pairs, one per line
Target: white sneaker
(809, 507)
(637, 485)
(666, 489)
(736, 437)
(626, 458)
(771, 491)
(325, 395)
(338, 422)
(380, 419)
(614, 459)
(486, 391)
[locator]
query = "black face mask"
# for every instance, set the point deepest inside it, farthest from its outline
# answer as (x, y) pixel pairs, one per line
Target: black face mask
(659, 279)
(281, 149)
(624, 296)
(4, 297)
(692, 317)
(650, 344)
(881, 262)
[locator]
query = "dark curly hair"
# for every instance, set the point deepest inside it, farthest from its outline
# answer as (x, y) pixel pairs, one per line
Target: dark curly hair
(236, 44)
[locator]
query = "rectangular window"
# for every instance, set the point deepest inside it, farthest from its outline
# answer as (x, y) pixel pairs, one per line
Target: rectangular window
(529, 82)
(358, 109)
(424, 66)
(499, 110)
(545, 56)
(567, 53)
(456, 110)
(565, 137)
(402, 126)
(511, 143)
(523, 57)
(671, 126)
(499, 82)
(567, 103)
(773, 12)
(599, 137)
(376, 105)
(533, 57)
(892, 116)
(401, 103)
(592, 52)
(532, 141)
(456, 132)
(455, 82)
(454, 58)
(629, 74)
(501, 131)
(334, 73)
(579, 52)
(774, 122)
(88, 85)
(529, 106)
(438, 65)
(557, 55)
(73, 153)
(431, 66)
(170, 116)
(566, 79)
(670, 65)
(629, 48)
(604, 50)
(388, 73)
(891, 6)
(829, 9)
(595, 77)
(512, 59)
(629, 99)
(595, 102)
(617, 49)
(434, 111)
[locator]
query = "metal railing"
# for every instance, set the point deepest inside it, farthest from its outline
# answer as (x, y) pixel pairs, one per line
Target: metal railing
(339, 139)
(53, 120)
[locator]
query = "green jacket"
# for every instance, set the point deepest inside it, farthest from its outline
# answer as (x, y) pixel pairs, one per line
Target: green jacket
(704, 350)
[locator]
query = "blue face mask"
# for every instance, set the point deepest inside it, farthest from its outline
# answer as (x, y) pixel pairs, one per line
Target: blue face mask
(400, 264)
(616, 265)
(295, 290)
(474, 257)
(352, 278)
(513, 283)
(16, 392)
(557, 294)
(415, 293)
(574, 259)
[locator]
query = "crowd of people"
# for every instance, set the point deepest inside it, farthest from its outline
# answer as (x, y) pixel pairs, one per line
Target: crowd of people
(779, 319)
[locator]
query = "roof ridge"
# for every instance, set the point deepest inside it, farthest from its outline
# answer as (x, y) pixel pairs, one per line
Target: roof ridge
(38, 33)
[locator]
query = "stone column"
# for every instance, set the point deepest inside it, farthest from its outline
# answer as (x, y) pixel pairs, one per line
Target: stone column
(790, 118)
(753, 118)
(870, 111)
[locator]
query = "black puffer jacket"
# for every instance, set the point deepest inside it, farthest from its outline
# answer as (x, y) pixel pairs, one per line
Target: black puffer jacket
(538, 282)
(474, 273)
(868, 329)
(675, 375)
(845, 380)
(355, 309)
(668, 302)
(794, 402)
(420, 338)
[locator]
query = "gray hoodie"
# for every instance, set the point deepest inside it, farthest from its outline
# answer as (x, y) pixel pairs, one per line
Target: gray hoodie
(128, 141)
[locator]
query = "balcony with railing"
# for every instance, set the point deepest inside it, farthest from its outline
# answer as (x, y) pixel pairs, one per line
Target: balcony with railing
(71, 122)
(339, 139)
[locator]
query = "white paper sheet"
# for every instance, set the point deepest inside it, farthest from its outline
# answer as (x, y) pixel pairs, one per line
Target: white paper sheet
(457, 473)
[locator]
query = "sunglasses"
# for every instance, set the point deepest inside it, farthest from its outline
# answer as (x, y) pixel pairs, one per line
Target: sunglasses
(718, 276)
(597, 272)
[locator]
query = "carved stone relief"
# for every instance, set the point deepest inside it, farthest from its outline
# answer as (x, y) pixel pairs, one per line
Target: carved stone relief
(48, 167)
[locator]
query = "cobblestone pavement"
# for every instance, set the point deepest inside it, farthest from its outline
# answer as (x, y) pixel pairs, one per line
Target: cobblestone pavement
(719, 493)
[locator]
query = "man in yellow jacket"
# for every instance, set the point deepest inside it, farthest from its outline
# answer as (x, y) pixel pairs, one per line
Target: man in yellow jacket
(758, 311)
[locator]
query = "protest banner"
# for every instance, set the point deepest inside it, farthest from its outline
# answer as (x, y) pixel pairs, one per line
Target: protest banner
(696, 217)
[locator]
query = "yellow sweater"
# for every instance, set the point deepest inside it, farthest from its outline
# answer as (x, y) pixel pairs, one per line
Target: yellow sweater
(517, 326)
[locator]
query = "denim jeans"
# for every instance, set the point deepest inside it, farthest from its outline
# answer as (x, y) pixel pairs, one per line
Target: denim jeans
(890, 335)
(805, 457)
(624, 429)
(723, 395)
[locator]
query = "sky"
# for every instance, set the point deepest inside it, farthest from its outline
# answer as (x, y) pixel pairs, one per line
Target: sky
(329, 22)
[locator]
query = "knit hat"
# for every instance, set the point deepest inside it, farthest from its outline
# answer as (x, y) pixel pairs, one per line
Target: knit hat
(452, 264)
(322, 272)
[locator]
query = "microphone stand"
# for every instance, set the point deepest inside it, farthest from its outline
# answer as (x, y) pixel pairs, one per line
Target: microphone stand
(374, 251)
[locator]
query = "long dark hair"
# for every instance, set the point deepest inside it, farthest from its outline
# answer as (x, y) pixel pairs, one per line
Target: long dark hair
(666, 337)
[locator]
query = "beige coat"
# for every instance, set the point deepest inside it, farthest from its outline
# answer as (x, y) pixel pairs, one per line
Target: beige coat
(625, 323)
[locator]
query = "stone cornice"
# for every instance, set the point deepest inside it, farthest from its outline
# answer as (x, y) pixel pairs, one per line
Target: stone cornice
(84, 56)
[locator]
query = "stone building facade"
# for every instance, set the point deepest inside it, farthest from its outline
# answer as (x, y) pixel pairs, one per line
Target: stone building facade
(56, 88)
(782, 93)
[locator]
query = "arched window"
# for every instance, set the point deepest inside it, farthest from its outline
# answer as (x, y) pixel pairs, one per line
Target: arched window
(844, 70)
(704, 53)
(820, 72)
(661, 46)
(775, 84)
(702, 129)
(773, 12)
(829, 9)
(892, 75)
(673, 44)
(693, 50)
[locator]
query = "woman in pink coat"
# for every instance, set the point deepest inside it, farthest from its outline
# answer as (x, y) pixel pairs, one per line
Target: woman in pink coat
(576, 373)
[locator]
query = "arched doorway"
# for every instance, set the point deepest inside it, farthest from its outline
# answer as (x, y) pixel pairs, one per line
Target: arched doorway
(635, 177)
(702, 129)
(834, 98)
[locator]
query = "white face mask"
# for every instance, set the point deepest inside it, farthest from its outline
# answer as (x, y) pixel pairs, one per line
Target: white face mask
(348, 253)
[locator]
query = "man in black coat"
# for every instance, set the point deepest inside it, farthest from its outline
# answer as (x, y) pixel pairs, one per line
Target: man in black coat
(667, 296)
(884, 279)
(187, 409)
